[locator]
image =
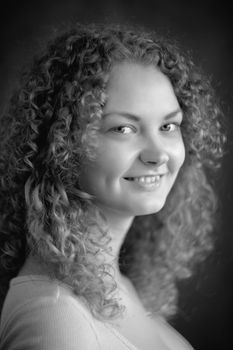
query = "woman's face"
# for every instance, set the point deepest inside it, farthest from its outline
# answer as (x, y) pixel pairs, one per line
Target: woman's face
(140, 147)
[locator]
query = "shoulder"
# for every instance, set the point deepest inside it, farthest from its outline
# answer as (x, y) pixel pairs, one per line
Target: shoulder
(48, 317)
(170, 336)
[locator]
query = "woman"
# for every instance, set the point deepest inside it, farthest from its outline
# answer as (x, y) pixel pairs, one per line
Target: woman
(104, 198)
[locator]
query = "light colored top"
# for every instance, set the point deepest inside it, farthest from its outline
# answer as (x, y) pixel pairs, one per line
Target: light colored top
(44, 314)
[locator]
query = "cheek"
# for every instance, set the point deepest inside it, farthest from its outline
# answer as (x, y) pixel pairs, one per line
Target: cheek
(114, 160)
(105, 170)
(181, 155)
(178, 156)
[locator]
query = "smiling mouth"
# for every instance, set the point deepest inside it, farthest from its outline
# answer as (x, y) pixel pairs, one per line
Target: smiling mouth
(145, 180)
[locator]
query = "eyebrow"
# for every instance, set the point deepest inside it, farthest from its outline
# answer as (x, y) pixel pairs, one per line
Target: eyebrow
(137, 118)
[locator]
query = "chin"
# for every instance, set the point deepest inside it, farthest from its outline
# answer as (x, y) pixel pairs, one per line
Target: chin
(147, 208)
(147, 211)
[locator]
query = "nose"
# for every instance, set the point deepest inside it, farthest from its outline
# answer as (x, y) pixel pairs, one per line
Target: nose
(154, 153)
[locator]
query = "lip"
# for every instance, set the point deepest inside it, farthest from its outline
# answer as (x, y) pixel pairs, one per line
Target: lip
(151, 186)
(145, 175)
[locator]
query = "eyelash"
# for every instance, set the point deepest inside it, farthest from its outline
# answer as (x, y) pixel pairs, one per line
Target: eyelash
(123, 126)
(133, 129)
(176, 125)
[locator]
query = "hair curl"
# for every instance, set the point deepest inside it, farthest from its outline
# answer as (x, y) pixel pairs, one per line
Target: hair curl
(50, 127)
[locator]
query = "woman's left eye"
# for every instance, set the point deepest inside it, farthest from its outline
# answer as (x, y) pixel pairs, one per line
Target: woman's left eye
(170, 127)
(124, 129)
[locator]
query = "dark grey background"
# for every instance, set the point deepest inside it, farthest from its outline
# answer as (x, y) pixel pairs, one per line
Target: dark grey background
(205, 30)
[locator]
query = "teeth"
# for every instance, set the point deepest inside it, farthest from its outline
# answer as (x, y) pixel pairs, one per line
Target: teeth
(145, 179)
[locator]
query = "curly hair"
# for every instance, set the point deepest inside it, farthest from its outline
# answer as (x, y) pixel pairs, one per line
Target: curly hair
(51, 125)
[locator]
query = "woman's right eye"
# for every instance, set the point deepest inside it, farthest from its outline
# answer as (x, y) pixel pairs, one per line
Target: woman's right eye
(124, 129)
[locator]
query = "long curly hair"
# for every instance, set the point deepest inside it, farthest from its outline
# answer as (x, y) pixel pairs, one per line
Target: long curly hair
(51, 125)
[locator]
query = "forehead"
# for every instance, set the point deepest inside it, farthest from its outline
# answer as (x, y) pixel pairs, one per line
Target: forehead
(139, 88)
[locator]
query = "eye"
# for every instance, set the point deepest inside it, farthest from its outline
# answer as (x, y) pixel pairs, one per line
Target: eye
(124, 129)
(171, 127)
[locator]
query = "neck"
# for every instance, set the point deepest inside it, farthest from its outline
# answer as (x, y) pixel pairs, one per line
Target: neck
(118, 225)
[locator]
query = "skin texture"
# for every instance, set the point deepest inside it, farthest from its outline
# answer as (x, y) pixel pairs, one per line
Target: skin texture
(146, 143)
(45, 135)
(130, 148)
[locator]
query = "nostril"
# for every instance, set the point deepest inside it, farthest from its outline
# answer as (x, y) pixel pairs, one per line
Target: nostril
(151, 158)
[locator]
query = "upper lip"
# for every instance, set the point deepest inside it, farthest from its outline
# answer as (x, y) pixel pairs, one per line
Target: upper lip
(145, 175)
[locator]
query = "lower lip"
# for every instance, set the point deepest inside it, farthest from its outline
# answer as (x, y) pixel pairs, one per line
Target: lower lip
(146, 186)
